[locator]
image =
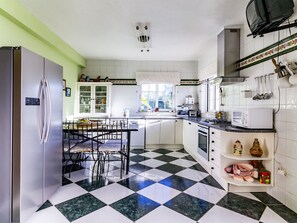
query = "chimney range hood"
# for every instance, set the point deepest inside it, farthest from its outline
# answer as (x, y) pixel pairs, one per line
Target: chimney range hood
(228, 55)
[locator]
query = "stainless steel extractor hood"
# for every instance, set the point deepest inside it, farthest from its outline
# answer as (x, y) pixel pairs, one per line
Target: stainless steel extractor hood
(228, 55)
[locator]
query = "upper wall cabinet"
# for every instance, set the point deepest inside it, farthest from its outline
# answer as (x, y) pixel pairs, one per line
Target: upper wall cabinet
(93, 99)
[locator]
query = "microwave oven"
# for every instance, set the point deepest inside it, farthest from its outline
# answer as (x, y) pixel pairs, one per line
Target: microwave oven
(253, 118)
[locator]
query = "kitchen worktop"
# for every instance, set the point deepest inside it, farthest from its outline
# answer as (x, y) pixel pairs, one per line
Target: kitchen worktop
(226, 126)
(149, 117)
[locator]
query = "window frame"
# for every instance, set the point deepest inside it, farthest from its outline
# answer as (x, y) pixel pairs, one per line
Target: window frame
(156, 96)
(213, 104)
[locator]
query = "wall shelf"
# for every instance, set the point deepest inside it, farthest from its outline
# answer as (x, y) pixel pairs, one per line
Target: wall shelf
(245, 157)
(256, 183)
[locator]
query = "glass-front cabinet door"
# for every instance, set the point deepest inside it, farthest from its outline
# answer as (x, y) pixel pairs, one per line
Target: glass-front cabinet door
(85, 96)
(100, 99)
(93, 99)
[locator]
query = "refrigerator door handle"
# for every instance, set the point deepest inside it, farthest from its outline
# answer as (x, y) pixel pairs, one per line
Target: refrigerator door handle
(48, 110)
(41, 111)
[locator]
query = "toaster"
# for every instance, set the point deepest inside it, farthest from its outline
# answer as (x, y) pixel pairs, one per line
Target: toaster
(192, 113)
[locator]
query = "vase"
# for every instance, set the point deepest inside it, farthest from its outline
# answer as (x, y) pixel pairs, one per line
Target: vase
(256, 149)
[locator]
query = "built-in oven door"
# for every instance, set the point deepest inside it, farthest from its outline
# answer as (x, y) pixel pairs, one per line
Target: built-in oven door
(203, 142)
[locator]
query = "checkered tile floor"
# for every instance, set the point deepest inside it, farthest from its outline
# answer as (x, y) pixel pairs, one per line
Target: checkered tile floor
(162, 186)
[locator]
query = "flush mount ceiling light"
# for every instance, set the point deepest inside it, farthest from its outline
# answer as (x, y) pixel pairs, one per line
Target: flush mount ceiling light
(143, 37)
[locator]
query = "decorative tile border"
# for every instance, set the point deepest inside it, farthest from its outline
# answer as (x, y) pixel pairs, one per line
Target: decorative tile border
(282, 47)
(123, 81)
(183, 82)
(189, 82)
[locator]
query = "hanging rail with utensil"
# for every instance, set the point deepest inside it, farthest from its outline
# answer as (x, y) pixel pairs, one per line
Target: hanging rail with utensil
(263, 87)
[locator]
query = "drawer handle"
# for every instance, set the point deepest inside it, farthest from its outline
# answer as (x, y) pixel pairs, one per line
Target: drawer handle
(212, 150)
(212, 132)
(190, 123)
(212, 159)
(212, 168)
(212, 141)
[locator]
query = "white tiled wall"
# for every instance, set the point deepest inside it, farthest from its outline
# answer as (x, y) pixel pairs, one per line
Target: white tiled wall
(127, 68)
(285, 188)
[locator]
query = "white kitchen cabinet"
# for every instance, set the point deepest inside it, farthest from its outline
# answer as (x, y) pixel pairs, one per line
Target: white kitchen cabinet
(153, 131)
(167, 131)
(164, 132)
(178, 139)
(93, 99)
(215, 142)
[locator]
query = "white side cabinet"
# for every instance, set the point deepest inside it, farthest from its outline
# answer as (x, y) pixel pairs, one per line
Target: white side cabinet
(178, 140)
(190, 136)
(186, 134)
(221, 156)
(137, 138)
(93, 99)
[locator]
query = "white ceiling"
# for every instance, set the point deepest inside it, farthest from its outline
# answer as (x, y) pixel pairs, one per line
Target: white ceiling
(105, 29)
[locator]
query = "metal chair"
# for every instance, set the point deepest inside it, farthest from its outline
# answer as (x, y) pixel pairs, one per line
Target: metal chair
(80, 144)
(113, 144)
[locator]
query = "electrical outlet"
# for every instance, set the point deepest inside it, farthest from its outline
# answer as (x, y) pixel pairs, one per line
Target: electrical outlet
(282, 171)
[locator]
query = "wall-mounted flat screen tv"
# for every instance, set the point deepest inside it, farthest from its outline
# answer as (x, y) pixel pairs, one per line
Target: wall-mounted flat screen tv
(265, 15)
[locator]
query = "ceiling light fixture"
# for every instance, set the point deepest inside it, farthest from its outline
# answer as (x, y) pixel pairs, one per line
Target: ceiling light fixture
(143, 37)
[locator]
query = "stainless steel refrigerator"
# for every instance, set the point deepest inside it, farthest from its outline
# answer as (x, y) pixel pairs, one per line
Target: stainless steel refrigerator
(30, 132)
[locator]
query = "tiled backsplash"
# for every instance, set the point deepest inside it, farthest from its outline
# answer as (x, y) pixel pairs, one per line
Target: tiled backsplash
(285, 120)
(127, 68)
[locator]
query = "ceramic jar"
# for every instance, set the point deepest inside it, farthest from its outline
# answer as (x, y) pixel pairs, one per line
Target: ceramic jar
(256, 149)
(237, 148)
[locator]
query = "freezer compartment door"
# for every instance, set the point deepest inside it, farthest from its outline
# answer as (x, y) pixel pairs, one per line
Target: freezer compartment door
(53, 144)
(28, 72)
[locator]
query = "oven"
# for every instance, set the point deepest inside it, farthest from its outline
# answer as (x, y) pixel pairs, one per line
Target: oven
(203, 141)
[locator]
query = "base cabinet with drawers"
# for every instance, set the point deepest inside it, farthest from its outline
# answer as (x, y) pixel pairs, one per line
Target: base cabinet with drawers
(221, 156)
(214, 151)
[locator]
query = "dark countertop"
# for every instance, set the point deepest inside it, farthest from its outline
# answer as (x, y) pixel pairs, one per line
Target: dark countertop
(226, 126)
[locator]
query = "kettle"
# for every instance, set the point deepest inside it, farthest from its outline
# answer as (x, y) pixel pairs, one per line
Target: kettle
(198, 113)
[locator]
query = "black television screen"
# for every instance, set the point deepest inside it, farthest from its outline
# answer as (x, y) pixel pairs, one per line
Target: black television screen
(256, 16)
(265, 15)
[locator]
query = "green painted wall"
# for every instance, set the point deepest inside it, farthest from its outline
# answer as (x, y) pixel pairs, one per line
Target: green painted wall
(20, 28)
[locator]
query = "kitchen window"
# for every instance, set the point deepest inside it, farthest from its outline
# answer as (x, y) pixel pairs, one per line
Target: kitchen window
(157, 97)
(213, 96)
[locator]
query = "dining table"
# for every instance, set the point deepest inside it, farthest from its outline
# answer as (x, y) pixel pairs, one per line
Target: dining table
(80, 130)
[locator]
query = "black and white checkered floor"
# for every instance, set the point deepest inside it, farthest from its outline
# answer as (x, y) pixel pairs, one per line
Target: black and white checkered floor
(162, 186)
